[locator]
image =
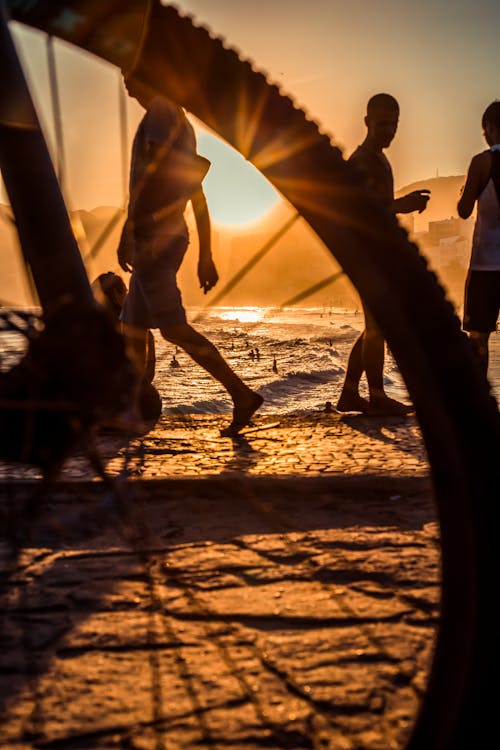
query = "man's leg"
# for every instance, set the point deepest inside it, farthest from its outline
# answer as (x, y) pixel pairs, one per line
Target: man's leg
(136, 340)
(481, 310)
(350, 400)
(373, 358)
(480, 342)
(204, 353)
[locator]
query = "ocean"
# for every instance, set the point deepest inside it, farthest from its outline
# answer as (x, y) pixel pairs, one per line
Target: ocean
(309, 346)
(295, 358)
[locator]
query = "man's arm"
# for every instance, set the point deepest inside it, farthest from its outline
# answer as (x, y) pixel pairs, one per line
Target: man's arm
(414, 201)
(207, 273)
(126, 246)
(477, 177)
(140, 200)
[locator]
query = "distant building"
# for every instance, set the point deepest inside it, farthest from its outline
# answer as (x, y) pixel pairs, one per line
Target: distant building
(447, 241)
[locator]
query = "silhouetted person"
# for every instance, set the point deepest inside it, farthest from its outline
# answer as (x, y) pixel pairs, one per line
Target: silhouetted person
(482, 286)
(257, 353)
(328, 407)
(367, 354)
(275, 365)
(166, 172)
(110, 290)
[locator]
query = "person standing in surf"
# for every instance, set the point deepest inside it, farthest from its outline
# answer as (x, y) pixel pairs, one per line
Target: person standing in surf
(482, 286)
(166, 173)
(368, 352)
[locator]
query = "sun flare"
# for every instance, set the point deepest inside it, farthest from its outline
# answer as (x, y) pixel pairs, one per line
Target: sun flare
(237, 193)
(243, 315)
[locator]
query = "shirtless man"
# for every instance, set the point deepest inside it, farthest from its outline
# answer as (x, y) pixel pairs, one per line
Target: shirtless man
(482, 287)
(166, 173)
(367, 354)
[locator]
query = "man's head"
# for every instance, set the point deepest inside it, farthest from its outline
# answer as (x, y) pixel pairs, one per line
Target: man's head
(381, 120)
(491, 123)
(110, 290)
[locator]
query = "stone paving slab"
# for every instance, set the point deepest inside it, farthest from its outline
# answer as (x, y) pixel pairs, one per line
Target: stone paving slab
(309, 445)
(281, 592)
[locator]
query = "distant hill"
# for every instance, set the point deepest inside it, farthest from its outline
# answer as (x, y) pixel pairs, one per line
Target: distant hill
(101, 225)
(280, 276)
(445, 192)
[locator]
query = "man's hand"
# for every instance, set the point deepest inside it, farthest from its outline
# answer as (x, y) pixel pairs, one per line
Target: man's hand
(126, 247)
(414, 201)
(207, 273)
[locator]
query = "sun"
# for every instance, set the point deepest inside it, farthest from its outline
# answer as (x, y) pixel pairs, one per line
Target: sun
(243, 315)
(237, 193)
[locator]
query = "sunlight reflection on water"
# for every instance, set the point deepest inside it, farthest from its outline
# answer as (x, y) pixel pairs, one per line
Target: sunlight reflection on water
(243, 315)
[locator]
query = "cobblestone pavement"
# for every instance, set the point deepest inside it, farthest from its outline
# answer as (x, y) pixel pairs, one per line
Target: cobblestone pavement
(313, 445)
(279, 589)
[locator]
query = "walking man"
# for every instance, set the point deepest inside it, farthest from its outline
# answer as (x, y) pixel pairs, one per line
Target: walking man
(167, 172)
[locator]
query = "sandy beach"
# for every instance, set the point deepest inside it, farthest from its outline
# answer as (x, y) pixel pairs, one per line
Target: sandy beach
(277, 590)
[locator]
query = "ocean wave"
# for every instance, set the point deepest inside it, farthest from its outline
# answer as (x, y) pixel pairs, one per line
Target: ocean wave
(315, 376)
(210, 406)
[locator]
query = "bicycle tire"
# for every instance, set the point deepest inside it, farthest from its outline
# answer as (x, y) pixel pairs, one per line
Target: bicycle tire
(457, 415)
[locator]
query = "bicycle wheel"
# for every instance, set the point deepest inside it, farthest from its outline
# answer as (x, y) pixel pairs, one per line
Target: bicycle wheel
(458, 417)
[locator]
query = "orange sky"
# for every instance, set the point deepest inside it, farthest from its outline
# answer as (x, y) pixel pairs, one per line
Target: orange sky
(440, 60)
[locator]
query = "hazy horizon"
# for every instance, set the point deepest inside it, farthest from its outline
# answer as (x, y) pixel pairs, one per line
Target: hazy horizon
(233, 247)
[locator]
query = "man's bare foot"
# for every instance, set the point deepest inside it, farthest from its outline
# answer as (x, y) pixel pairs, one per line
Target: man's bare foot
(350, 401)
(243, 412)
(388, 407)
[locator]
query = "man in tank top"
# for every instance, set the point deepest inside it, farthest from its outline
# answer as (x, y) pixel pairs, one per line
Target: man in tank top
(482, 287)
